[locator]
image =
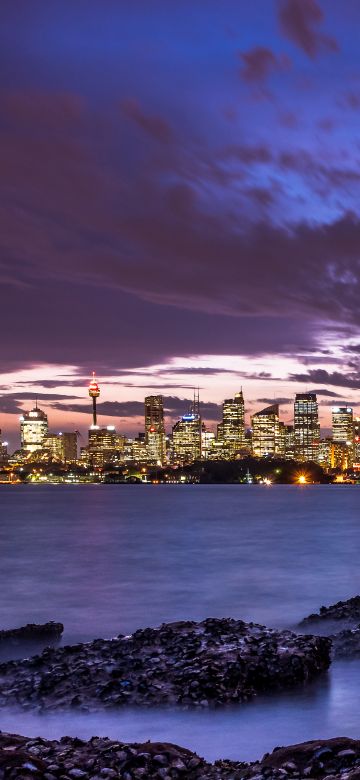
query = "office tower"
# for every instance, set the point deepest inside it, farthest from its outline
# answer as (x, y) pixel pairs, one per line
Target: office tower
(186, 439)
(343, 424)
(61, 446)
(231, 430)
(265, 432)
(356, 434)
(325, 456)
(33, 429)
(155, 429)
(94, 392)
(105, 445)
(208, 444)
(3, 450)
(52, 446)
(306, 426)
(69, 446)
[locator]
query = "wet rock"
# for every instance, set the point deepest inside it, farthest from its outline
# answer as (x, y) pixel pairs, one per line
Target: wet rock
(346, 644)
(99, 758)
(32, 632)
(215, 662)
(347, 612)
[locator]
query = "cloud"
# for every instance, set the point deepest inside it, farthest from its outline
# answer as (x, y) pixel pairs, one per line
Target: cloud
(173, 407)
(352, 381)
(270, 401)
(260, 63)
(154, 126)
(300, 21)
(329, 393)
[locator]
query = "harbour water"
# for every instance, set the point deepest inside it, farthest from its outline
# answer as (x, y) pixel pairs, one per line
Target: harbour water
(109, 559)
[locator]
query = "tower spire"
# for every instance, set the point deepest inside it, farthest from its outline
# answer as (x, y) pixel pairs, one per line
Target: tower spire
(94, 392)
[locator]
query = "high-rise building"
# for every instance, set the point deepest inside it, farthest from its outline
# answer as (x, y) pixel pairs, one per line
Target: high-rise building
(231, 431)
(306, 426)
(186, 439)
(265, 432)
(3, 450)
(104, 446)
(343, 424)
(69, 446)
(33, 429)
(61, 446)
(356, 434)
(155, 429)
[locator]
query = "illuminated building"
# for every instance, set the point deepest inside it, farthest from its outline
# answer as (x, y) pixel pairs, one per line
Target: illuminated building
(265, 431)
(231, 430)
(105, 446)
(356, 434)
(3, 451)
(306, 426)
(155, 429)
(69, 446)
(343, 424)
(186, 439)
(135, 451)
(61, 446)
(208, 444)
(33, 429)
(52, 446)
(94, 392)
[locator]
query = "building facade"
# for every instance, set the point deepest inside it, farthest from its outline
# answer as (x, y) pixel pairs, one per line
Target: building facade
(306, 427)
(155, 429)
(231, 431)
(33, 430)
(265, 432)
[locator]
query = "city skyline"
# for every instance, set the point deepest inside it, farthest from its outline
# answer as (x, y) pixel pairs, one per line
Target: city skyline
(173, 410)
(180, 205)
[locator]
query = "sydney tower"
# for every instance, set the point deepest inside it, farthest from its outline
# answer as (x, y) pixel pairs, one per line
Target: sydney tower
(94, 392)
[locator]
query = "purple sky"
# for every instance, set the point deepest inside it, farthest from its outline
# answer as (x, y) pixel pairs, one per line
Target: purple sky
(179, 204)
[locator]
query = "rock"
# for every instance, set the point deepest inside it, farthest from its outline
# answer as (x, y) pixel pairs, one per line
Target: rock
(347, 612)
(215, 662)
(32, 632)
(61, 760)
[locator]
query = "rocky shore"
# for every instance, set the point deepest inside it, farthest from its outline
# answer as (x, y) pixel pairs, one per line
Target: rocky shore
(346, 612)
(22, 758)
(215, 662)
(32, 632)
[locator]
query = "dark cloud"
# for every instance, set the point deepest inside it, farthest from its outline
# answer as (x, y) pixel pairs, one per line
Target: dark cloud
(300, 21)
(155, 126)
(260, 63)
(173, 407)
(329, 393)
(352, 381)
(281, 401)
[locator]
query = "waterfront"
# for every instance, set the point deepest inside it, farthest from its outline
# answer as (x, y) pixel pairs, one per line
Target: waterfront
(109, 559)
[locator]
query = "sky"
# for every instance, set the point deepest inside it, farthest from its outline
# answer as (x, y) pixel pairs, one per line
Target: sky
(179, 206)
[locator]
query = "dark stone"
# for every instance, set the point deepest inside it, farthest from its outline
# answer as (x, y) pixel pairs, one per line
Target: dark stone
(215, 662)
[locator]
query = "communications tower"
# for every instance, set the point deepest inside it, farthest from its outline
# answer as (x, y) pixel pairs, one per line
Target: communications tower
(94, 392)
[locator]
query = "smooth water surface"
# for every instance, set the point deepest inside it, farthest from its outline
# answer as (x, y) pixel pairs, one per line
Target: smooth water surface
(107, 559)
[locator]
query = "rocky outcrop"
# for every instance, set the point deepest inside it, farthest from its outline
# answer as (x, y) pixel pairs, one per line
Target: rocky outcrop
(346, 644)
(217, 661)
(347, 612)
(73, 759)
(32, 632)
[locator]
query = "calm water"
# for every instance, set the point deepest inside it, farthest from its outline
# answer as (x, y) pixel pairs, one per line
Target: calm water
(109, 559)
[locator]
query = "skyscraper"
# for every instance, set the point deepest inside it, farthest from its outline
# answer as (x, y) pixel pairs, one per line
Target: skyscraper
(231, 431)
(306, 426)
(186, 439)
(265, 431)
(343, 424)
(155, 428)
(33, 429)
